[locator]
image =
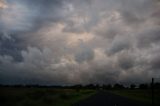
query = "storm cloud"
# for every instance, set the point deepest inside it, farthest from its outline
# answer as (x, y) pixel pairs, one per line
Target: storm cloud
(79, 41)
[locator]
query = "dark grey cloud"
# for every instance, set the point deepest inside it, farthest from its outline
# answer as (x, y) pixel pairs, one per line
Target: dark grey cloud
(126, 61)
(154, 58)
(10, 46)
(79, 41)
(84, 53)
(120, 43)
(149, 36)
(30, 15)
(131, 19)
(155, 63)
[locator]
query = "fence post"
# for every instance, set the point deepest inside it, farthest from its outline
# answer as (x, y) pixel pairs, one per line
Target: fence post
(152, 91)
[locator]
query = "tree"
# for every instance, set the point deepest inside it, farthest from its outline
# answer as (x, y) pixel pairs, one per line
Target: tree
(157, 85)
(132, 86)
(118, 86)
(109, 86)
(143, 86)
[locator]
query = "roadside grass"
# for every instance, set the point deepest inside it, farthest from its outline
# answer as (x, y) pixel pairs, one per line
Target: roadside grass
(144, 96)
(42, 96)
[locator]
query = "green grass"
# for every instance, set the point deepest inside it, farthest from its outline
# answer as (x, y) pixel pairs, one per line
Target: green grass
(144, 96)
(42, 96)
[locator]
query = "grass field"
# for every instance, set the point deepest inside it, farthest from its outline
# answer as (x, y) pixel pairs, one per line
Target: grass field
(41, 96)
(140, 95)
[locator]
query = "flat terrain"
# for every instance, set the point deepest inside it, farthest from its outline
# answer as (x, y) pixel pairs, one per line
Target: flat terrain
(103, 98)
(10, 96)
(142, 95)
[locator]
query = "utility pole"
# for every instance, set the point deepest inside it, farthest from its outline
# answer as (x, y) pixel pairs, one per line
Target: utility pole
(152, 91)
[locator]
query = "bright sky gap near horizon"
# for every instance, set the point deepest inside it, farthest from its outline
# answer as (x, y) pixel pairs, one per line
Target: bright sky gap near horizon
(79, 41)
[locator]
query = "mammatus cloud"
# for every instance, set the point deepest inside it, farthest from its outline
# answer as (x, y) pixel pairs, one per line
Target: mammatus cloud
(79, 41)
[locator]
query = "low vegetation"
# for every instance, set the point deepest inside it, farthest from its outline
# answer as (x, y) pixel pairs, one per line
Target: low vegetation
(141, 95)
(33, 95)
(11, 96)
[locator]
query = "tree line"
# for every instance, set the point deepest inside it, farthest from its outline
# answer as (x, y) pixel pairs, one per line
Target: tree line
(91, 86)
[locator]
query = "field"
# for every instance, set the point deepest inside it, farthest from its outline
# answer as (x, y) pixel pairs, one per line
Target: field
(23, 96)
(140, 95)
(41, 96)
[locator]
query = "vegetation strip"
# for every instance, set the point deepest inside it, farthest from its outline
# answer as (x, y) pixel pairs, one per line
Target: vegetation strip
(42, 96)
(139, 95)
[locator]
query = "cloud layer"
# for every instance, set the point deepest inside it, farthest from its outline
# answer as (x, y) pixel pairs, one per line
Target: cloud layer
(79, 41)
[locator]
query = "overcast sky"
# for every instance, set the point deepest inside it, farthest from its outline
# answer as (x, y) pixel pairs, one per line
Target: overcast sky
(79, 41)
